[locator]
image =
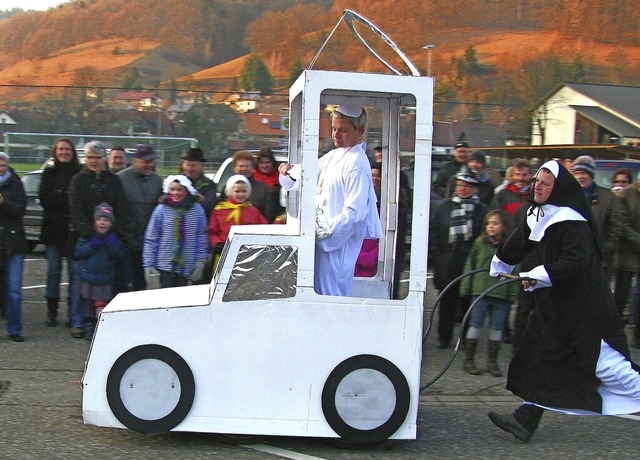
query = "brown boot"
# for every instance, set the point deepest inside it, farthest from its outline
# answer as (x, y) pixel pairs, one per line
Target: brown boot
(470, 350)
(494, 348)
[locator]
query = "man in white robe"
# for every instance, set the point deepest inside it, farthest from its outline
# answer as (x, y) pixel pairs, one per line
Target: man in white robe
(346, 196)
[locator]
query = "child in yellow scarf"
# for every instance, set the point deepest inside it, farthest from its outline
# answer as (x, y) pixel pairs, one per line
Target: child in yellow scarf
(236, 210)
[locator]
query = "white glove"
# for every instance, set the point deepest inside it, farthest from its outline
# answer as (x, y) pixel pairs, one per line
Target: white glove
(498, 266)
(198, 270)
(540, 275)
(148, 273)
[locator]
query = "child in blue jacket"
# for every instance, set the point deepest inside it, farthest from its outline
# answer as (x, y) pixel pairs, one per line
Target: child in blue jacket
(96, 266)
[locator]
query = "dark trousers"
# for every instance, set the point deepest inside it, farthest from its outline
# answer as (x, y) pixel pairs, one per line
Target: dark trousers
(168, 279)
(623, 288)
(447, 314)
(138, 283)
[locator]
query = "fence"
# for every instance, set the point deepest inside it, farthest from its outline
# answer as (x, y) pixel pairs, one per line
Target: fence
(28, 151)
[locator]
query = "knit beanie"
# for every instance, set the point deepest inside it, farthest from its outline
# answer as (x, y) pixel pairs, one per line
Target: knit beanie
(585, 163)
(104, 210)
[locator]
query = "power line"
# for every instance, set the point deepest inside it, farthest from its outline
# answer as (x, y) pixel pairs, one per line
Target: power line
(203, 91)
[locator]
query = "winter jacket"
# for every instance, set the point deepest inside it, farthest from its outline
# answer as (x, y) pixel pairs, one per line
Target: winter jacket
(628, 252)
(219, 226)
(96, 256)
(54, 199)
(448, 259)
(142, 192)
(609, 220)
(448, 170)
(87, 190)
(207, 193)
(480, 256)
(12, 238)
(262, 198)
(510, 198)
(159, 248)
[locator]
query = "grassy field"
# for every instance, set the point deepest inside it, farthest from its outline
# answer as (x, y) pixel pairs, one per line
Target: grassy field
(22, 168)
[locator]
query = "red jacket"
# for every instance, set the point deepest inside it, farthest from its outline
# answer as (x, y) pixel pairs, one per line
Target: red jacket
(219, 226)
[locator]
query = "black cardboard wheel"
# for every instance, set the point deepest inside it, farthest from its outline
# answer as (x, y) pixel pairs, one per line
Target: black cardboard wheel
(150, 389)
(365, 399)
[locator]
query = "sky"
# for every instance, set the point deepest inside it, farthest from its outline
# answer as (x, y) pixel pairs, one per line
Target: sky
(29, 4)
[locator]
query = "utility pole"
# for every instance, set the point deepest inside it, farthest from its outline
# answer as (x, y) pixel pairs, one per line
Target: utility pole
(429, 49)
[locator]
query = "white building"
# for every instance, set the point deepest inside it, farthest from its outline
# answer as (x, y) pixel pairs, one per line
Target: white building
(588, 113)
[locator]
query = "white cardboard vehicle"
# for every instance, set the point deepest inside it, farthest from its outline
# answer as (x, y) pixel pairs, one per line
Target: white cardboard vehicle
(258, 351)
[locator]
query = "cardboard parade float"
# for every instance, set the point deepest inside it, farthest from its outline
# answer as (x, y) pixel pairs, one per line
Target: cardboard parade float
(258, 351)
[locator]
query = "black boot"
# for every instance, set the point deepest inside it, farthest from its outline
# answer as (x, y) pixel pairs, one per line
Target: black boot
(68, 321)
(89, 327)
(52, 311)
(522, 423)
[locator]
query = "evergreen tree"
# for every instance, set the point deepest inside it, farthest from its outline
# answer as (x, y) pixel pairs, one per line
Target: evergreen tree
(577, 71)
(133, 80)
(295, 71)
(255, 76)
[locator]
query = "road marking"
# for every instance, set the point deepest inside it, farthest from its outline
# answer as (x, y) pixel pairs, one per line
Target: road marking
(40, 286)
(281, 452)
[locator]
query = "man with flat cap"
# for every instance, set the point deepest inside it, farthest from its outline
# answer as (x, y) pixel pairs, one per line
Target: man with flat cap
(346, 197)
(142, 188)
(192, 166)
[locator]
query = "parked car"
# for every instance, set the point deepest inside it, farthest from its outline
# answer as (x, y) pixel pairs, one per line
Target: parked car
(33, 214)
(606, 168)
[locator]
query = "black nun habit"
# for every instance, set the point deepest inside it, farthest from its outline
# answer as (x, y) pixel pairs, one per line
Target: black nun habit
(574, 355)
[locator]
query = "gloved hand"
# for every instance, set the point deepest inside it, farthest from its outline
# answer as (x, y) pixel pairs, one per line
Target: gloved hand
(539, 278)
(148, 273)
(111, 239)
(498, 266)
(95, 241)
(198, 270)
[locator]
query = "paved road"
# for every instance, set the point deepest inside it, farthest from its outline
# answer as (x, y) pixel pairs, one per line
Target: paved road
(40, 411)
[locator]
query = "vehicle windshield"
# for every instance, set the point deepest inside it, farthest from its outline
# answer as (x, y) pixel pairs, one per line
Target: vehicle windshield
(31, 182)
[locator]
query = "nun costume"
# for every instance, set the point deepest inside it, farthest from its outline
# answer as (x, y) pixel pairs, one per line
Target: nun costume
(574, 356)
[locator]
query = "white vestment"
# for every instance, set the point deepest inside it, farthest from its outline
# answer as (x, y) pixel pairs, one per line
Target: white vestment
(347, 198)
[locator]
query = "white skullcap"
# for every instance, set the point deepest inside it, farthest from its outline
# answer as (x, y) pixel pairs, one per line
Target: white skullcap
(349, 109)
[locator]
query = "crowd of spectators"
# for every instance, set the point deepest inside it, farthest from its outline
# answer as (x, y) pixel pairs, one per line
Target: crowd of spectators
(456, 222)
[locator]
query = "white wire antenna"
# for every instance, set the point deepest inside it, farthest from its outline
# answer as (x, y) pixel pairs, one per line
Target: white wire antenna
(349, 17)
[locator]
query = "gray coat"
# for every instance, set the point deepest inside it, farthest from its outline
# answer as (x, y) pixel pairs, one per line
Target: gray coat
(142, 193)
(628, 252)
(609, 222)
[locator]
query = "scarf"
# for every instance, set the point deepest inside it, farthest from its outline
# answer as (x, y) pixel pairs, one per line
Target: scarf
(461, 222)
(270, 179)
(179, 223)
(236, 209)
(495, 242)
(5, 177)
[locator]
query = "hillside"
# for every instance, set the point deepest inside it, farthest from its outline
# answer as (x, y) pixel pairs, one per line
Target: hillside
(491, 63)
